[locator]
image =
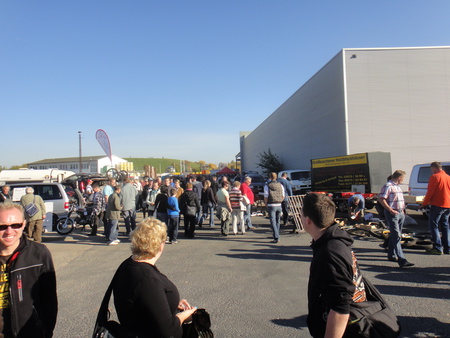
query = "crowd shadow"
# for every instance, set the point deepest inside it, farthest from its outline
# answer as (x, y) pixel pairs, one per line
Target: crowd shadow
(274, 252)
(420, 327)
(423, 327)
(296, 322)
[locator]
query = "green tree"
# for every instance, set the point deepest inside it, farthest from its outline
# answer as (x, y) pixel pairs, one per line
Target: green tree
(269, 162)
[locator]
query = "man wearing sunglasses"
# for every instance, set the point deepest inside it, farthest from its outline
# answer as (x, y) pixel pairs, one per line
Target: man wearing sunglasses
(28, 301)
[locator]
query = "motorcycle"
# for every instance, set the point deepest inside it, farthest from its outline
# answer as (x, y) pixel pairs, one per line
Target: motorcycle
(76, 217)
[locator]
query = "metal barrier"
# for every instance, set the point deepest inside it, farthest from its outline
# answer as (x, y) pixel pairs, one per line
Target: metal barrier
(295, 204)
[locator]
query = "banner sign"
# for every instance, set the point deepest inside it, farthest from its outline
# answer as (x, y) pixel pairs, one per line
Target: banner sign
(103, 139)
(339, 161)
(337, 174)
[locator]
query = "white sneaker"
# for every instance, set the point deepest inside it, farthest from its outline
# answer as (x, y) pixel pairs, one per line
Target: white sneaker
(114, 242)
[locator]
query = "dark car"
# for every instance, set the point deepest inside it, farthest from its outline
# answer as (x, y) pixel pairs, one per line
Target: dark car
(257, 184)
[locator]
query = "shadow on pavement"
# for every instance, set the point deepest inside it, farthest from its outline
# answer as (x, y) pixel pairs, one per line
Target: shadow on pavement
(296, 322)
(423, 327)
(272, 252)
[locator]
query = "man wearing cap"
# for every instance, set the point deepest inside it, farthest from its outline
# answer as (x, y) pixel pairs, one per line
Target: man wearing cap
(89, 190)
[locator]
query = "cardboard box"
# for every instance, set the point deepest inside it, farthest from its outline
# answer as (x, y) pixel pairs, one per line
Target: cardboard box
(413, 199)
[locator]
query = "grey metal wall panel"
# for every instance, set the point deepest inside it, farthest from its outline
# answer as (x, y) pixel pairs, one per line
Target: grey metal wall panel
(395, 99)
(398, 100)
(311, 123)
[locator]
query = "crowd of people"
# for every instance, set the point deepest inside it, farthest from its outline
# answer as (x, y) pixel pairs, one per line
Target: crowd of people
(197, 202)
(146, 301)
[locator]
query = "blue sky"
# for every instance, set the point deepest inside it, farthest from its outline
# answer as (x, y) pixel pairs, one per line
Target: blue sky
(176, 79)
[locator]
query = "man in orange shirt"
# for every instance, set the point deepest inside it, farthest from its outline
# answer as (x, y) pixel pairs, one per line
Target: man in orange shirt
(438, 197)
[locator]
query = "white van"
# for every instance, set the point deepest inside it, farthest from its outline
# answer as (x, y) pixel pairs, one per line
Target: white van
(300, 180)
(56, 197)
(33, 175)
(420, 174)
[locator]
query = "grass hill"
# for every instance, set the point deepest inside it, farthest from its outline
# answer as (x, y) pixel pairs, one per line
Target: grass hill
(160, 163)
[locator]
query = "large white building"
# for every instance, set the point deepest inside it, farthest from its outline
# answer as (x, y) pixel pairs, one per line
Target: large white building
(394, 100)
(89, 164)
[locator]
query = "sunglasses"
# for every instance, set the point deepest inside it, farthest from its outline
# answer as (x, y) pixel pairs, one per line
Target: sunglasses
(3, 227)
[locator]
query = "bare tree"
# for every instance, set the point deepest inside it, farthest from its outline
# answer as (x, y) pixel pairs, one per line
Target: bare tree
(269, 162)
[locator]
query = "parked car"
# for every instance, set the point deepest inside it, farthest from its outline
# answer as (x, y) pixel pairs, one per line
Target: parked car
(300, 180)
(59, 194)
(420, 175)
(258, 183)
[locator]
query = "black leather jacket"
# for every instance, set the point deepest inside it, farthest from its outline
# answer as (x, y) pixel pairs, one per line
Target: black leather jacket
(32, 290)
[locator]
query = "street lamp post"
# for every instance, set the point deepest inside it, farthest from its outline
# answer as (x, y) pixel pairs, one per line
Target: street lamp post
(79, 148)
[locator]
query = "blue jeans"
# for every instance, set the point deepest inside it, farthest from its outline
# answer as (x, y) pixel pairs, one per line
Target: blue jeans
(163, 217)
(129, 217)
(395, 223)
(112, 230)
(248, 217)
(172, 227)
(207, 209)
(438, 220)
(275, 217)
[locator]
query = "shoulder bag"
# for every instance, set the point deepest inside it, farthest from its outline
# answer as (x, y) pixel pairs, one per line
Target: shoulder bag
(373, 318)
(31, 208)
(245, 200)
(105, 328)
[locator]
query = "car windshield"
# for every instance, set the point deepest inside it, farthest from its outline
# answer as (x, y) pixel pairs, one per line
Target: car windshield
(257, 179)
(425, 173)
(300, 175)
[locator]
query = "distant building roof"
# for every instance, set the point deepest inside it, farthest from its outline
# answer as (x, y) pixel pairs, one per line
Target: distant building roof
(69, 159)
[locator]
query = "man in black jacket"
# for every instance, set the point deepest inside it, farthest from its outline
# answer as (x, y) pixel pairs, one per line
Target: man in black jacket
(331, 288)
(28, 302)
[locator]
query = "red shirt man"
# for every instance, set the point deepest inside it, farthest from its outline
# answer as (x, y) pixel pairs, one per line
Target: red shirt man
(245, 189)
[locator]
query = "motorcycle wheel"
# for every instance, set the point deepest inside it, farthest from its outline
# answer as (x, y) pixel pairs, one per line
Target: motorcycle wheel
(65, 226)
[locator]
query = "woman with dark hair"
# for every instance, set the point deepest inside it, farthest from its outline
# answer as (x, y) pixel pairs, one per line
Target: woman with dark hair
(146, 301)
(208, 203)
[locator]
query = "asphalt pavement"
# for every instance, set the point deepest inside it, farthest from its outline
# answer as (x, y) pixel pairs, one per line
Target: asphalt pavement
(250, 286)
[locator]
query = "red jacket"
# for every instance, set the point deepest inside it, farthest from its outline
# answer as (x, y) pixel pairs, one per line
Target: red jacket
(245, 189)
(438, 192)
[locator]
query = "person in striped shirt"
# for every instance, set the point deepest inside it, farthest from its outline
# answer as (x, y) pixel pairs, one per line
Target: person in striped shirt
(237, 213)
(391, 198)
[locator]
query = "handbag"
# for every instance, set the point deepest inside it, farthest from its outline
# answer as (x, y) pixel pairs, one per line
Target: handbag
(373, 318)
(200, 327)
(31, 208)
(191, 210)
(105, 328)
(245, 200)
